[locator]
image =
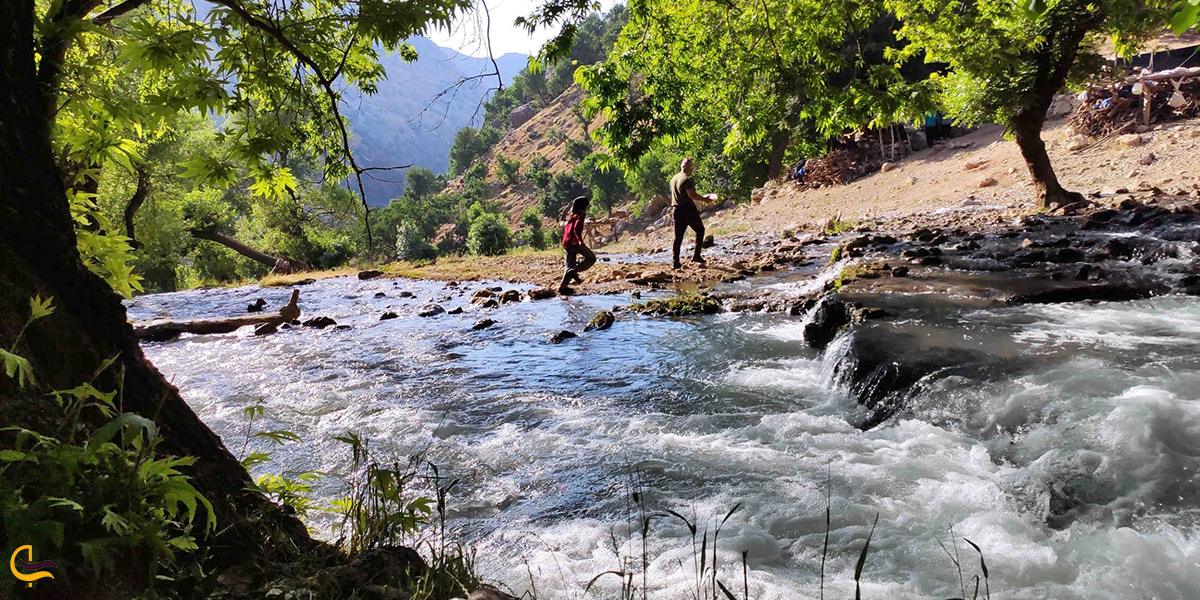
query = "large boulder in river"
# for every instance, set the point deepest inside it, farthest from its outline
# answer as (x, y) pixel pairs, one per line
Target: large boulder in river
(369, 274)
(320, 322)
(509, 296)
(266, 329)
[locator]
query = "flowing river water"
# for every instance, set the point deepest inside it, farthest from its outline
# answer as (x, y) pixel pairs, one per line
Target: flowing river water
(1066, 444)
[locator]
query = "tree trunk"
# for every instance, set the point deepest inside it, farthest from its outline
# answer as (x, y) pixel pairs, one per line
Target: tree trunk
(279, 265)
(38, 256)
(1027, 129)
(135, 204)
(779, 146)
(160, 330)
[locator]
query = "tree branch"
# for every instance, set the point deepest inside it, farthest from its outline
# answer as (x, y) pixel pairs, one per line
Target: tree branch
(118, 10)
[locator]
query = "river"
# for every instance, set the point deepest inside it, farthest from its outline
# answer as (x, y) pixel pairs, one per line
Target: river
(1065, 442)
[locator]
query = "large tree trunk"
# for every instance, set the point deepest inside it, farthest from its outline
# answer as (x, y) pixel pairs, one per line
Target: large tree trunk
(282, 265)
(38, 256)
(1068, 26)
(779, 145)
(1027, 129)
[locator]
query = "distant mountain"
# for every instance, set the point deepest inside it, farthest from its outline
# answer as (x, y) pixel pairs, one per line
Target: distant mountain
(413, 117)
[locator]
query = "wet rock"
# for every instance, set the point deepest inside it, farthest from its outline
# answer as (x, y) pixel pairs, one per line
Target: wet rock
(405, 294)
(257, 306)
(320, 322)
(709, 241)
(380, 295)
(541, 293)
(483, 324)
(603, 320)
(828, 318)
(484, 302)
(901, 271)
(430, 310)
(388, 315)
(482, 293)
(1108, 292)
(265, 329)
(509, 296)
(457, 310)
(369, 274)
(562, 336)
(376, 566)
(343, 327)
(1064, 255)
(308, 281)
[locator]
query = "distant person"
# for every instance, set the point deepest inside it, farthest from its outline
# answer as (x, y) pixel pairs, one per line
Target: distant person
(573, 247)
(686, 214)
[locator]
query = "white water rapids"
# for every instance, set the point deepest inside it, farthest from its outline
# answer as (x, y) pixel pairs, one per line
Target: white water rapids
(1069, 453)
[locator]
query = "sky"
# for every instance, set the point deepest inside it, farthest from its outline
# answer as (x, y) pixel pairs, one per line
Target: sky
(468, 37)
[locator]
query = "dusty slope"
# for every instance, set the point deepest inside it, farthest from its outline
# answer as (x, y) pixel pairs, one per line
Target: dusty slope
(537, 137)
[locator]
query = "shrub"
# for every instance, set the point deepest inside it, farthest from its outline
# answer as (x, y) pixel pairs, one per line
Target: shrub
(489, 235)
(531, 233)
(578, 149)
(507, 169)
(538, 172)
(564, 189)
(411, 244)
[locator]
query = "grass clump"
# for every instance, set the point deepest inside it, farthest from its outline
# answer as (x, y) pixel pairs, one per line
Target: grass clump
(836, 225)
(679, 306)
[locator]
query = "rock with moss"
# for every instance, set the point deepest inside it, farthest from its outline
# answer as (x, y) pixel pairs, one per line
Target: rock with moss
(603, 320)
(679, 306)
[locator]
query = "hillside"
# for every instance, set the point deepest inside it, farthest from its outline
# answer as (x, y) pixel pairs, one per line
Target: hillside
(406, 123)
(539, 136)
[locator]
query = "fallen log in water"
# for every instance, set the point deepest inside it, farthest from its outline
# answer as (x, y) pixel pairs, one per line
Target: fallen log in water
(161, 330)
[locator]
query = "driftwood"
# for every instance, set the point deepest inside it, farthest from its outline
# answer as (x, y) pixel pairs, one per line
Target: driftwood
(161, 330)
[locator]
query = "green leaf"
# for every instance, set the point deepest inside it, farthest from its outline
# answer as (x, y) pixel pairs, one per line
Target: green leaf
(16, 367)
(14, 456)
(1185, 17)
(39, 308)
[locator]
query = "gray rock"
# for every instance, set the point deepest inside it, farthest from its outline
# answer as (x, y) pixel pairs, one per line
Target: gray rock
(483, 324)
(265, 329)
(430, 310)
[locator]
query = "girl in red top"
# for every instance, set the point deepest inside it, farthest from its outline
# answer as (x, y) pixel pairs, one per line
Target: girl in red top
(579, 257)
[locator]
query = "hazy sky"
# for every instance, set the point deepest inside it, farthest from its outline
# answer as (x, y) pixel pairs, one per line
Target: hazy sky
(468, 37)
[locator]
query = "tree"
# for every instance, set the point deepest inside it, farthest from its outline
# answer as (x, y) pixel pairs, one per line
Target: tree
(531, 233)
(1008, 59)
(744, 77)
(469, 145)
(275, 66)
(507, 169)
(605, 180)
(489, 235)
(566, 187)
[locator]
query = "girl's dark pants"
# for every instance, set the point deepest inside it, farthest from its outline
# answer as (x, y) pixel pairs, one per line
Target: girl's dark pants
(579, 258)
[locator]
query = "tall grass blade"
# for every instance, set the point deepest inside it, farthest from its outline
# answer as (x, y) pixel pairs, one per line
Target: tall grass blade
(983, 567)
(862, 560)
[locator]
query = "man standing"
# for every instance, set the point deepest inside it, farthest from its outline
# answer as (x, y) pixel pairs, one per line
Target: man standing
(683, 205)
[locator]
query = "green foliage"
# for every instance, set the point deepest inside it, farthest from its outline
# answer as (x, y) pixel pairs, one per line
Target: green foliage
(729, 86)
(105, 254)
(605, 180)
(578, 149)
(1187, 14)
(538, 173)
(679, 306)
(102, 496)
(1003, 55)
(411, 243)
(565, 188)
(507, 169)
(531, 233)
(470, 144)
(489, 235)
